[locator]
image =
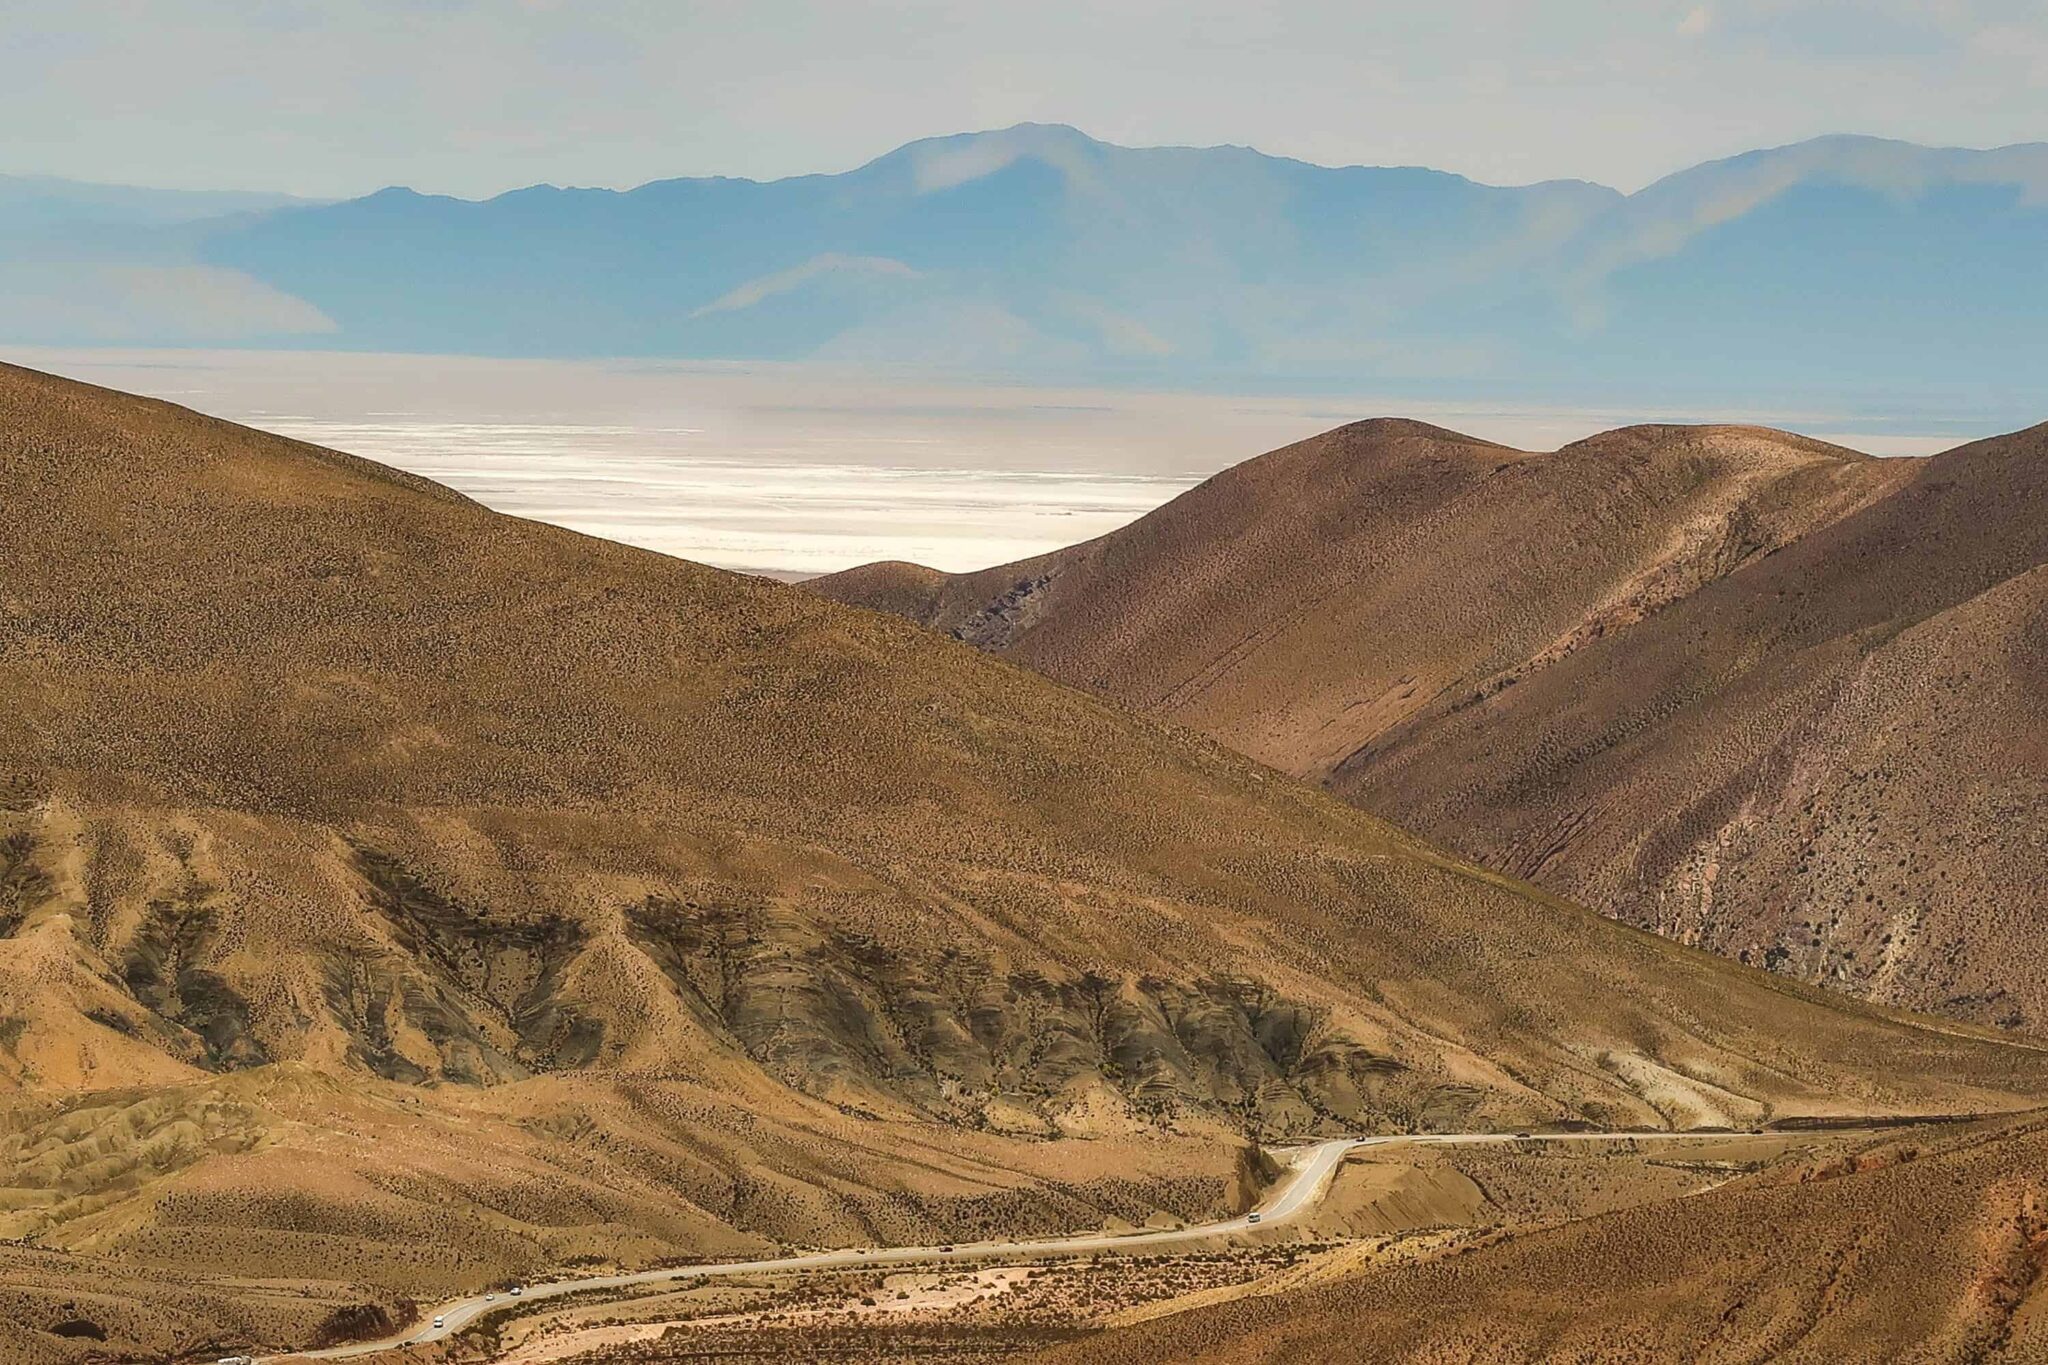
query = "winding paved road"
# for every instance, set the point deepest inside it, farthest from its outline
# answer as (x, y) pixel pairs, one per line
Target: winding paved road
(1311, 1167)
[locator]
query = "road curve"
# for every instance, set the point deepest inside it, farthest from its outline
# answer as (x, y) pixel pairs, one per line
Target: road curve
(1309, 1166)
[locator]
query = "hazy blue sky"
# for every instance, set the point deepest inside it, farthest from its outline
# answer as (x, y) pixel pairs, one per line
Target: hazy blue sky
(476, 96)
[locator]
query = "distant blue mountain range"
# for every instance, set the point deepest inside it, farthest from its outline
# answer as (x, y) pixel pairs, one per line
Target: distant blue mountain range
(1036, 250)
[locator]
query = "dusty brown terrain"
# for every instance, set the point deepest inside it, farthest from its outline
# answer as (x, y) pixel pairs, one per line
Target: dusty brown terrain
(985, 1313)
(1393, 1206)
(344, 1189)
(1757, 693)
(58, 1309)
(400, 897)
(1928, 1249)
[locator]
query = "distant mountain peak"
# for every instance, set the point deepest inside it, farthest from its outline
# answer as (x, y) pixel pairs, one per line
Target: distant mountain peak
(945, 162)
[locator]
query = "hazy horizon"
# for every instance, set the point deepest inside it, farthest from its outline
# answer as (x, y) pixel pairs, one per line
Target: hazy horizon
(473, 99)
(657, 176)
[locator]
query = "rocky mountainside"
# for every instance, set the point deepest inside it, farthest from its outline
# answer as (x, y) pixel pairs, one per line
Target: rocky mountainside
(399, 897)
(1755, 692)
(314, 761)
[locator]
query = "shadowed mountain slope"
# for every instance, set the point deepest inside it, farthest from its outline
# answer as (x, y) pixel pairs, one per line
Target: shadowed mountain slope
(1750, 690)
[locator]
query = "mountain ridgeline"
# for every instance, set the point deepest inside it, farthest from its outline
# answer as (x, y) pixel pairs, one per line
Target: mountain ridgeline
(1752, 691)
(1878, 267)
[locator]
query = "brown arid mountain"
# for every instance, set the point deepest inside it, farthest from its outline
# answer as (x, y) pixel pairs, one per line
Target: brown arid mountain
(397, 897)
(1916, 1251)
(1754, 692)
